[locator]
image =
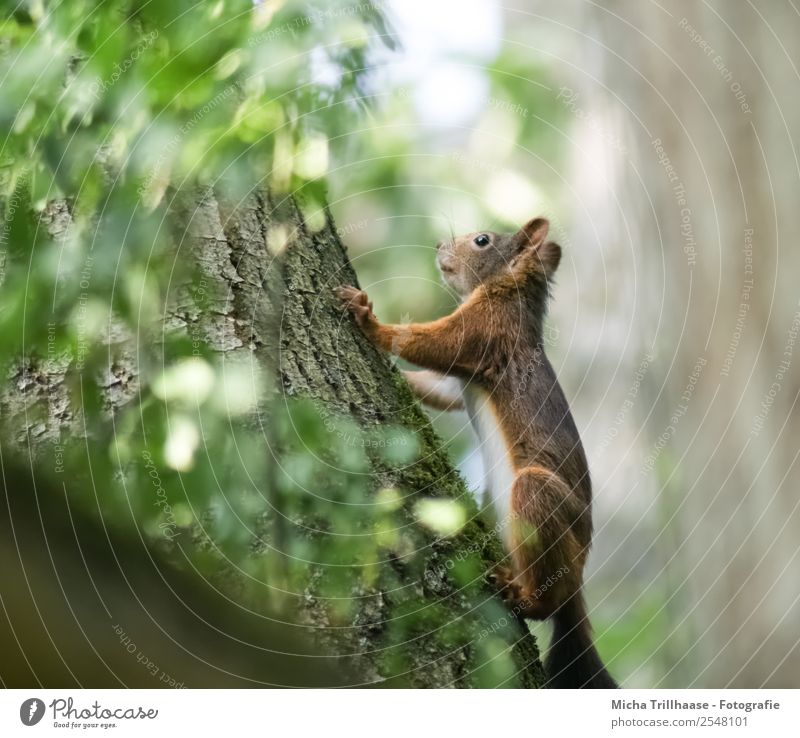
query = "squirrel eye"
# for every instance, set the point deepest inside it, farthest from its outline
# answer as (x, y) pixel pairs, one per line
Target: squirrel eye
(481, 240)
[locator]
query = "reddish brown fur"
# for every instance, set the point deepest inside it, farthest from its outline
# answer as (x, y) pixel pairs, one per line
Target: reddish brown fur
(494, 339)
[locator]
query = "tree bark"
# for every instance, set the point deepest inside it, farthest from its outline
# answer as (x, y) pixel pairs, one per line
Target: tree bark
(266, 297)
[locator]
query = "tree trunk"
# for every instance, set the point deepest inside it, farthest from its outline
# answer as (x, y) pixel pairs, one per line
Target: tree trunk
(265, 296)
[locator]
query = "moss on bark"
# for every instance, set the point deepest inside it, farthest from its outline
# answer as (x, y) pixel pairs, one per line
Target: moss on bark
(263, 292)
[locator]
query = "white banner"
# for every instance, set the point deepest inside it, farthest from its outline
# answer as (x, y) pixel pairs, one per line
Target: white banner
(396, 713)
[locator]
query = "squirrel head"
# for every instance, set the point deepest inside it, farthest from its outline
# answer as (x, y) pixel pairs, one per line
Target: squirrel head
(476, 259)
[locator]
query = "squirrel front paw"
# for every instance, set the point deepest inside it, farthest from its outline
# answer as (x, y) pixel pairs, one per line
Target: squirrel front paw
(357, 302)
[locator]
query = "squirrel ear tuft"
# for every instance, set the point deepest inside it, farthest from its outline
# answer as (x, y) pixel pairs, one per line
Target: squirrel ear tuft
(532, 238)
(550, 255)
(533, 233)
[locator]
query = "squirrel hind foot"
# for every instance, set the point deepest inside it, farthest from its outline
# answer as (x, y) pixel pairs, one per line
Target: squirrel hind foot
(520, 598)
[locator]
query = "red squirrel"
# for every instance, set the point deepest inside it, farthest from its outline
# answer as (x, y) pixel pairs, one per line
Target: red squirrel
(488, 357)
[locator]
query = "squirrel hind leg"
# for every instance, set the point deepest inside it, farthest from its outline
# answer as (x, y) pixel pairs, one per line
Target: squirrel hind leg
(551, 539)
(548, 557)
(520, 598)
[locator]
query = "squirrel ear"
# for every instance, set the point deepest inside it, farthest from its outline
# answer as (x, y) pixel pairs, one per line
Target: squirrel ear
(531, 238)
(533, 233)
(550, 255)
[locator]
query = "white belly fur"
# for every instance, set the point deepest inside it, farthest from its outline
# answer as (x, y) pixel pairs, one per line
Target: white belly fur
(498, 472)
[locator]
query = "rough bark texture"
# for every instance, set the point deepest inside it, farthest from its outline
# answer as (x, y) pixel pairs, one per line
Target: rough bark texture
(266, 296)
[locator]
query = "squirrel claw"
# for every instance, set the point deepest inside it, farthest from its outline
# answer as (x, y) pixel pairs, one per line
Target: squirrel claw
(350, 295)
(517, 597)
(501, 577)
(357, 302)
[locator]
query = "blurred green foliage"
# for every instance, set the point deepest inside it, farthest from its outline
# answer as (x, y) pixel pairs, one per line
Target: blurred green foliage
(108, 109)
(401, 182)
(104, 106)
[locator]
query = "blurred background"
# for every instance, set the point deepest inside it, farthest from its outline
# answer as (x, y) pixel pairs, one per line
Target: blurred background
(659, 141)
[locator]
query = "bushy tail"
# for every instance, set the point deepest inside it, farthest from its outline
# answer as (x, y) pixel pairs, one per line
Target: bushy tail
(572, 661)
